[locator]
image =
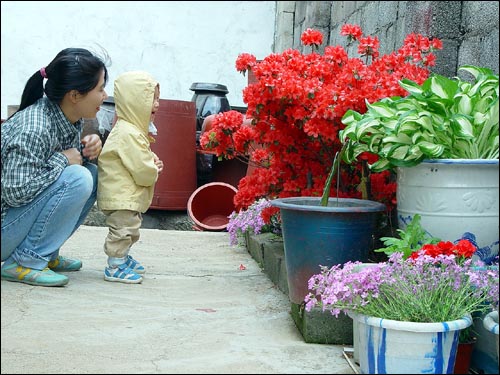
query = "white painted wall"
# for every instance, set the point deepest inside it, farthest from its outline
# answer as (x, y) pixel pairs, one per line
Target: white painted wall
(179, 42)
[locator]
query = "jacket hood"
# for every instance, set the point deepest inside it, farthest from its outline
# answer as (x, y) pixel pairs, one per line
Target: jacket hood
(134, 94)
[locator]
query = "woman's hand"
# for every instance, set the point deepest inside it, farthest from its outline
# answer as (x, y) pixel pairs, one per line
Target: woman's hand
(73, 156)
(92, 146)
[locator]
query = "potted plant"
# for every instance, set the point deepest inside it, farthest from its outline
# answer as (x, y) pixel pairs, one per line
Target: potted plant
(295, 107)
(422, 301)
(443, 142)
(414, 238)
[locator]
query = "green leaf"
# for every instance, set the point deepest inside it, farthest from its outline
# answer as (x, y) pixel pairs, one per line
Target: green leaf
(380, 109)
(443, 87)
(441, 118)
(464, 104)
(476, 71)
(380, 165)
(367, 126)
(462, 126)
(400, 138)
(398, 152)
(350, 117)
(410, 86)
(411, 239)
(433, 151)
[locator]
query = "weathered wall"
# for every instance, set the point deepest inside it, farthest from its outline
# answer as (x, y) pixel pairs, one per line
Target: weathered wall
(469, 30)
(179, 42)
(186, 42)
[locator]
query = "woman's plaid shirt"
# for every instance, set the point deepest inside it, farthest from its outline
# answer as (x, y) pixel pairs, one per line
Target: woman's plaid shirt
(32, 141)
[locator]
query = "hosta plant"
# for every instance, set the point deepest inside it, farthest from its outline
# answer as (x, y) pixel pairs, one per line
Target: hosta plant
(442, 118)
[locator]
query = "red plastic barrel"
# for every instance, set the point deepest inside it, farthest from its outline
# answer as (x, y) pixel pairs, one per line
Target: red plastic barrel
(176, 146)
(210, 205)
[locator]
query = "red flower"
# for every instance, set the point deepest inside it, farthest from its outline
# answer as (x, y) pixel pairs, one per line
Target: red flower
(465, 248)
(268, 212)
(311, 37)
(369, 47)
(245, 61)
(296, 105)
(354, 32)
(462, 249)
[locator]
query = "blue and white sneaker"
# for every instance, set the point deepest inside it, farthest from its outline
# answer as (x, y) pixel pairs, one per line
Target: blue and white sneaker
(122, 274)
(134, 265)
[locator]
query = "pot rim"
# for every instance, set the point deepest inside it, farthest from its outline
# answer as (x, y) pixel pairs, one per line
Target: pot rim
(313, 204)
(490, 322)
(461, 161)
(451, 325)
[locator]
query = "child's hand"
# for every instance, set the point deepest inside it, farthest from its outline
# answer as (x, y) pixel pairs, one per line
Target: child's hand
(92, 146)
(159, 165)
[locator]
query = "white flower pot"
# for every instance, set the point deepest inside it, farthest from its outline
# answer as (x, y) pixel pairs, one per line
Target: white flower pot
(490, 323)
(394, 347)
(453, 197)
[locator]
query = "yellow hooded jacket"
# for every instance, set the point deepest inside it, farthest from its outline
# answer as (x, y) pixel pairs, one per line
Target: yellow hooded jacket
(126, 169)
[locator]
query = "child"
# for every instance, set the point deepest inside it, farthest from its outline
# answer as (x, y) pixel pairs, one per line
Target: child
(128, 171)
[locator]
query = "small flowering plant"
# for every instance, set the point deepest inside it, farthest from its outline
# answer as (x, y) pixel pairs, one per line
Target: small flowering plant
(258, 218)
(422, 288)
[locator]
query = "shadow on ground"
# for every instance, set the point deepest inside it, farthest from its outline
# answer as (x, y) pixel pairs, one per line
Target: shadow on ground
(152, 219)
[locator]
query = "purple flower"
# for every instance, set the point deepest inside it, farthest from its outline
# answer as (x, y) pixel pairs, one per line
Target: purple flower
(249, 220)
(423, 289)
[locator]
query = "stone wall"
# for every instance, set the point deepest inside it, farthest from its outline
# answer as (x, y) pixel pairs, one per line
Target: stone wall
(468, 30)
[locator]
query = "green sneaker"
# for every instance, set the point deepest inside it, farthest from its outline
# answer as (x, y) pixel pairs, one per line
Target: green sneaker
(45, 277)
(63, 264)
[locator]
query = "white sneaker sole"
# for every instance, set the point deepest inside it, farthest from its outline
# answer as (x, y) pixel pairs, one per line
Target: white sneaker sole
(124, 281)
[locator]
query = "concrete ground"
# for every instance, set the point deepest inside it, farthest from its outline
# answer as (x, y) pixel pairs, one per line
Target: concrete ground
(204, 307)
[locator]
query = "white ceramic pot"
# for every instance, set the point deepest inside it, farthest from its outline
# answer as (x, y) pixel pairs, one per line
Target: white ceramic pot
(394, 347)
(455, 198)
(355, 329)
(490, 324)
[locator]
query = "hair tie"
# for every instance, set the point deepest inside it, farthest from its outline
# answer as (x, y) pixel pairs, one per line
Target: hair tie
(43, 73)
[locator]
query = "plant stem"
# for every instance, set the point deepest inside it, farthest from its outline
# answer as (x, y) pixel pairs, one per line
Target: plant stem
(328, 183)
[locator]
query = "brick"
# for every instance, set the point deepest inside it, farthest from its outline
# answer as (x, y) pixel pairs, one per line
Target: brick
(315, 326)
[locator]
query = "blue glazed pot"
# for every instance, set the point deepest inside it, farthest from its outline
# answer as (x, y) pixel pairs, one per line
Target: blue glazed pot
(314, 235)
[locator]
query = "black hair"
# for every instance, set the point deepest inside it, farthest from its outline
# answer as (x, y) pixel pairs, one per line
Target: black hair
(72, 69)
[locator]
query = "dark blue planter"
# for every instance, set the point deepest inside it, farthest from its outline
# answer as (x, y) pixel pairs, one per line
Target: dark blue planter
(314, 235)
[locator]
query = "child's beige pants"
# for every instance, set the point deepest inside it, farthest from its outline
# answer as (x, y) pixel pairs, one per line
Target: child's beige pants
(123, 232)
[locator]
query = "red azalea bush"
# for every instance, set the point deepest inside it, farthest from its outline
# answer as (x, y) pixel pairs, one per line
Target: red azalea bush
(296, 106)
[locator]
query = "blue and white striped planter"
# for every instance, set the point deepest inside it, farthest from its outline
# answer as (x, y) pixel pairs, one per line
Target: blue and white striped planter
(394, 347)
(490, 323)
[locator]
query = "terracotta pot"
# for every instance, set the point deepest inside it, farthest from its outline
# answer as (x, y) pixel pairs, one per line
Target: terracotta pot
(464, 356)
(210, 205)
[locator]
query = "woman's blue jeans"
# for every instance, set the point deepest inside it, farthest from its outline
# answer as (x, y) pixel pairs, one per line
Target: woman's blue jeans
(32, 234)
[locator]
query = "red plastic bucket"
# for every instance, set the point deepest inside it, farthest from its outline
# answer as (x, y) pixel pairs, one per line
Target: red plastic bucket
(210, 205)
